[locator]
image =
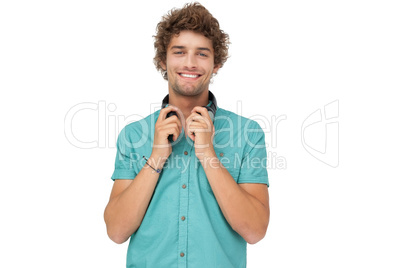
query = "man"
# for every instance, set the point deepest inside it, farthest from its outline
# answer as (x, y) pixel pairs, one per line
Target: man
(190, 182)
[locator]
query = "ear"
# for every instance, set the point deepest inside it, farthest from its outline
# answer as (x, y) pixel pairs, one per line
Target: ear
(216, 68)
(163, 65)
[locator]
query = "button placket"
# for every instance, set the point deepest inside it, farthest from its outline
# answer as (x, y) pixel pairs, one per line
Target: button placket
(183, 205)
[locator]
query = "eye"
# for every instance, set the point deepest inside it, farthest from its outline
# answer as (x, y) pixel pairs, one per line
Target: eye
(203, 55)
(178, 52)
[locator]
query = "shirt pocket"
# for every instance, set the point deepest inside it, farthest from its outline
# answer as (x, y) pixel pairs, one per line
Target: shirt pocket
(231, 162)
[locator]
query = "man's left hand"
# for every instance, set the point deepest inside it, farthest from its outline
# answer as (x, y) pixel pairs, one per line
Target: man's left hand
(200, 129)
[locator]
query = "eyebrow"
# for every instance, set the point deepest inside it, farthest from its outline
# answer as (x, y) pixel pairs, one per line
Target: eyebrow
(198, 48)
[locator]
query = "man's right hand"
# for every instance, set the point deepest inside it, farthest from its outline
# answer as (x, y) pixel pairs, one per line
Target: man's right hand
(163, 128)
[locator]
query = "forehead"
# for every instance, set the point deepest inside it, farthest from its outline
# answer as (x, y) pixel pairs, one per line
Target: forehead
(190, 39)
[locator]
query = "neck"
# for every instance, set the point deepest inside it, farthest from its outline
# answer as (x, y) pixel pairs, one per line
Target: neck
(187, 103)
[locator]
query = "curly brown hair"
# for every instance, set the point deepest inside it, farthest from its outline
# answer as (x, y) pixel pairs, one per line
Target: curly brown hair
(193, 17)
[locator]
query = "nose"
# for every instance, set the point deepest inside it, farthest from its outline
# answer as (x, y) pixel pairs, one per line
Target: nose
(190, 61)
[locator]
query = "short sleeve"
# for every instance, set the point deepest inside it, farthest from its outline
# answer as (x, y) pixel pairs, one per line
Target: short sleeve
(254, 163)
(126, 157)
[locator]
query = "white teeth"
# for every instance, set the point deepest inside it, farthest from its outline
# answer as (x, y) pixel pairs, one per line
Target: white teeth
(189, 75)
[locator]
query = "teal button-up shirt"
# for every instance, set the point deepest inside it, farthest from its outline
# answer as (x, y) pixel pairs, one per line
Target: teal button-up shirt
(184, 225)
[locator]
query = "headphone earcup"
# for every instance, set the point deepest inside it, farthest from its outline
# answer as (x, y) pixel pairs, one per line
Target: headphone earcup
(211, 112)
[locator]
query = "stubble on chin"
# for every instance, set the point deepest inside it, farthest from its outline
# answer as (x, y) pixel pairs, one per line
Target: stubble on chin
(189, 90)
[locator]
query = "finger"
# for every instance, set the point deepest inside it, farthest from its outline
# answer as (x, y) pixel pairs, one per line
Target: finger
(197, 120)
(170, 129)
(173, 130)
(195, 117)
(163, 113)
(202, 110)
(180, 119)
(173, 119)
(195, 128)
(197, 125)
(190, 124)
(190, 117)
(177, 133)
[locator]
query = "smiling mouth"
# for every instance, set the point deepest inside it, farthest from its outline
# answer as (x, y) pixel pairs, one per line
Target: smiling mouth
(189, 75)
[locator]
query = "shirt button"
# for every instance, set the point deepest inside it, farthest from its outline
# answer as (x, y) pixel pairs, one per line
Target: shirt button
(182, 254)
(183, 186)
(185, 153)
(221, 154)
(183, 218)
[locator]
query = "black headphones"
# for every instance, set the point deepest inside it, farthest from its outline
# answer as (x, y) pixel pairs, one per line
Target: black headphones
(211, 109)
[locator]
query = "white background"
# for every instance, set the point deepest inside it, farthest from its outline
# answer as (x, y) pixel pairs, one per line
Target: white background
(288, 58)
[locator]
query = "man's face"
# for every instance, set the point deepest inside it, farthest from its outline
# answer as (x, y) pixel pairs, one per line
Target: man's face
(189, 63)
